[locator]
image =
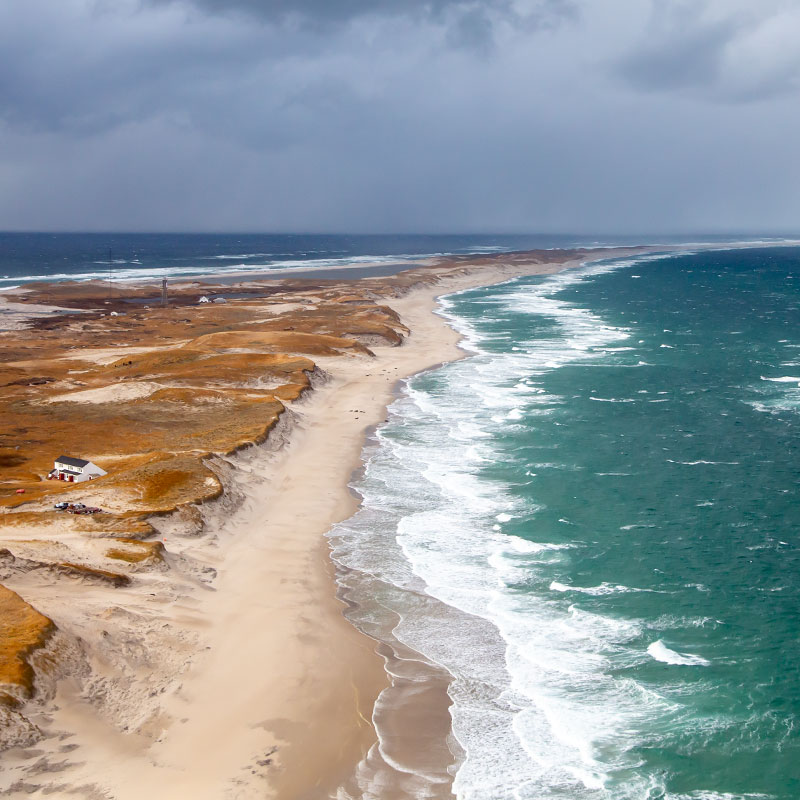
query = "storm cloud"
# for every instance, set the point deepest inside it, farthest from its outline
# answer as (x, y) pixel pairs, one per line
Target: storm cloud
(399, 115)
(729, 50)
(317, 12)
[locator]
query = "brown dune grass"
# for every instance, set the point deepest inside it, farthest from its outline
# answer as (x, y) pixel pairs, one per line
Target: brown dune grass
(23, 630)
(149, 396)
(137, 551)
(92, 573)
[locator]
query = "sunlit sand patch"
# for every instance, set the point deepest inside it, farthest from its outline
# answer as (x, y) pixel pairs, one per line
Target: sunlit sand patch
(277, 341)
(116, 393)
(107, 355)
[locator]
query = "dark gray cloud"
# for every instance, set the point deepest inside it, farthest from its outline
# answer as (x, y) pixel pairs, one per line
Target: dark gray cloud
(469, 24)
(336, 10)
(327, 11)
(683, 60)
(382, 116)
(727, 50)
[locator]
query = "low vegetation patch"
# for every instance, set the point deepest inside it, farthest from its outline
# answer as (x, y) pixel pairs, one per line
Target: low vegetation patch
(23, 630)
(136, 551)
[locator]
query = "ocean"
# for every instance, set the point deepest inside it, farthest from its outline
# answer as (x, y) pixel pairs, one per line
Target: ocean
(592, 524)
(119, 257)
(26, 257)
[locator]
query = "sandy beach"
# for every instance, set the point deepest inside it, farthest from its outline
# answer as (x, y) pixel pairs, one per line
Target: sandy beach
(258, 686)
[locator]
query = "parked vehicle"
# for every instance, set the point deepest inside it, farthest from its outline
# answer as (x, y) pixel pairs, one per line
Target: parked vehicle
(77, 508)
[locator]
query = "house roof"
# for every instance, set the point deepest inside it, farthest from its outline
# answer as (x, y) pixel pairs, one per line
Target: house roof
(72, 462)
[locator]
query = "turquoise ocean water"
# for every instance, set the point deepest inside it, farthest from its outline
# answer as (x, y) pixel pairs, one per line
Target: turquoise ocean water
(592, 523)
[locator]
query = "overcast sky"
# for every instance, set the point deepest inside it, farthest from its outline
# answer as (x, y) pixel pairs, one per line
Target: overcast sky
(400, 115)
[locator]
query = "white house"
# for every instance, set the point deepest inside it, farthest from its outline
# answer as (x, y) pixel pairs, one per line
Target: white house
(74, 470)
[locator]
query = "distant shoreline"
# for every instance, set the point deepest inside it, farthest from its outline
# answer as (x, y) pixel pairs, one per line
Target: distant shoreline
(35, 257)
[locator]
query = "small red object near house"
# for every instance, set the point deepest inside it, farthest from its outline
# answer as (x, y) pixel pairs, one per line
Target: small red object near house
(20, 491)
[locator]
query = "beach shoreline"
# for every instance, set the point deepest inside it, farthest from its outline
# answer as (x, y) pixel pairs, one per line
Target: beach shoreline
(280, 700)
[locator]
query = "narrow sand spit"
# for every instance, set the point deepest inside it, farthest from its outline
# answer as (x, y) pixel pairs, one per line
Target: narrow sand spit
(286, 682)
(278, 695)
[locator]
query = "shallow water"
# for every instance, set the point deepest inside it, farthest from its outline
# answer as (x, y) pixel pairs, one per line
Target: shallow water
(592, 524)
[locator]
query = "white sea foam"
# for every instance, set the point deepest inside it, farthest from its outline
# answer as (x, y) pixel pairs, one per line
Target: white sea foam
(672, 623)
(519, 545)
(596, 591)
(240, 256)
(702, 461)
(777, 405)
(660, 652)
(705, 795)
(783, 395)
(613, 400)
